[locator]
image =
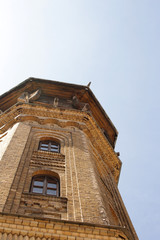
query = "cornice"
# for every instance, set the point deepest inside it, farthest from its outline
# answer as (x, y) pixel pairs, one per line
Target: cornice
(32, 88)
(22, 227)
(64, 118)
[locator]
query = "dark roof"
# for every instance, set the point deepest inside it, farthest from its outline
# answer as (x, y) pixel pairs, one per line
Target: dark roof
(65, 90)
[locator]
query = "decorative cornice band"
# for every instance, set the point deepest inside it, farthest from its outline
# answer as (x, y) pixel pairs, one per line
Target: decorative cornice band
(64, 118)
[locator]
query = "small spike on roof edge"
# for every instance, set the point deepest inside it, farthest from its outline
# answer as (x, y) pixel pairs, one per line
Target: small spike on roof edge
(89, 84)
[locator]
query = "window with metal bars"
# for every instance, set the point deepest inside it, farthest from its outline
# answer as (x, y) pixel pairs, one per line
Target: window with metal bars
(49, 146)
(45, 185)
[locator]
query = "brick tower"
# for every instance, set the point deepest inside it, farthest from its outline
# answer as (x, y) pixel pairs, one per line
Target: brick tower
(58, 168)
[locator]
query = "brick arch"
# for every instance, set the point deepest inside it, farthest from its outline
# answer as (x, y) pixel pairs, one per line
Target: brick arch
(51, 135)
(46, 172)
(49, 138)
(61, 137)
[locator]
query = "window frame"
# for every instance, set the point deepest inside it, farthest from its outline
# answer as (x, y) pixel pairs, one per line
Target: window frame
(45, 179)
(49, 146)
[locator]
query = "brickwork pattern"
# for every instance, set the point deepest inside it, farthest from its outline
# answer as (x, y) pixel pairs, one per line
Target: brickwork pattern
(12, 227)
(87, 167)
(10, 161)
(5, 139)
(46, 206)
(78, 182)
(82, 120)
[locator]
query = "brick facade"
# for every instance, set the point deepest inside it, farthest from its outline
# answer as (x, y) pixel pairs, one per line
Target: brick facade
(89, 205)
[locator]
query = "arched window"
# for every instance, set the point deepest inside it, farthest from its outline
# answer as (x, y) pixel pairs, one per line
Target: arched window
(50, 146)
(45, 185)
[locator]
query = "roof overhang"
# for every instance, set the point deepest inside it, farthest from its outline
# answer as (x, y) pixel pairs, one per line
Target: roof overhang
(63, 90)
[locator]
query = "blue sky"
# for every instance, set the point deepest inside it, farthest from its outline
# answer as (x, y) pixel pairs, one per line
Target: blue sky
(115, 45)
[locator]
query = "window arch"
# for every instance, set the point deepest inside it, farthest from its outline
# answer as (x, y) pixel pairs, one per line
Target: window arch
(49, 146)
(45, 185)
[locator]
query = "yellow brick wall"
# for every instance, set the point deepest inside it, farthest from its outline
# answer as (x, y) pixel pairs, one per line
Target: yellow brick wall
(5, 139)
(10, 160)
(89, 206)
(18, 227)
(87, 190)
(78, 180)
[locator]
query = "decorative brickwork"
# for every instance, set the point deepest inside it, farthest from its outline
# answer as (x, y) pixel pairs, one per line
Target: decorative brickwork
(88, 204)
(18, 227)
(43, 206)
(43, 158)
(10, 161)
(82, 120)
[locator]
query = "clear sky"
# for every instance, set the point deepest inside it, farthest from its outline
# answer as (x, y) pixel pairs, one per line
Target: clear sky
(115, 44)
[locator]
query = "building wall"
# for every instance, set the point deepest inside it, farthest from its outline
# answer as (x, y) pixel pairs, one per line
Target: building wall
(14, 227)
(87, 166)
(11, 159)
(80, 198)
(5, 139)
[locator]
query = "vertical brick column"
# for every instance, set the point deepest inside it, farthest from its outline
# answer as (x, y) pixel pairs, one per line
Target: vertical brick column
(86, 193)
(11, 159)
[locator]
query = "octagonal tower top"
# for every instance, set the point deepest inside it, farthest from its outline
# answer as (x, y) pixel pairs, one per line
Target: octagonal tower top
(78, 97)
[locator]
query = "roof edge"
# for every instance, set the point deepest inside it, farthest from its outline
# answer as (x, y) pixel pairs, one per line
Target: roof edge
(77, 86)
